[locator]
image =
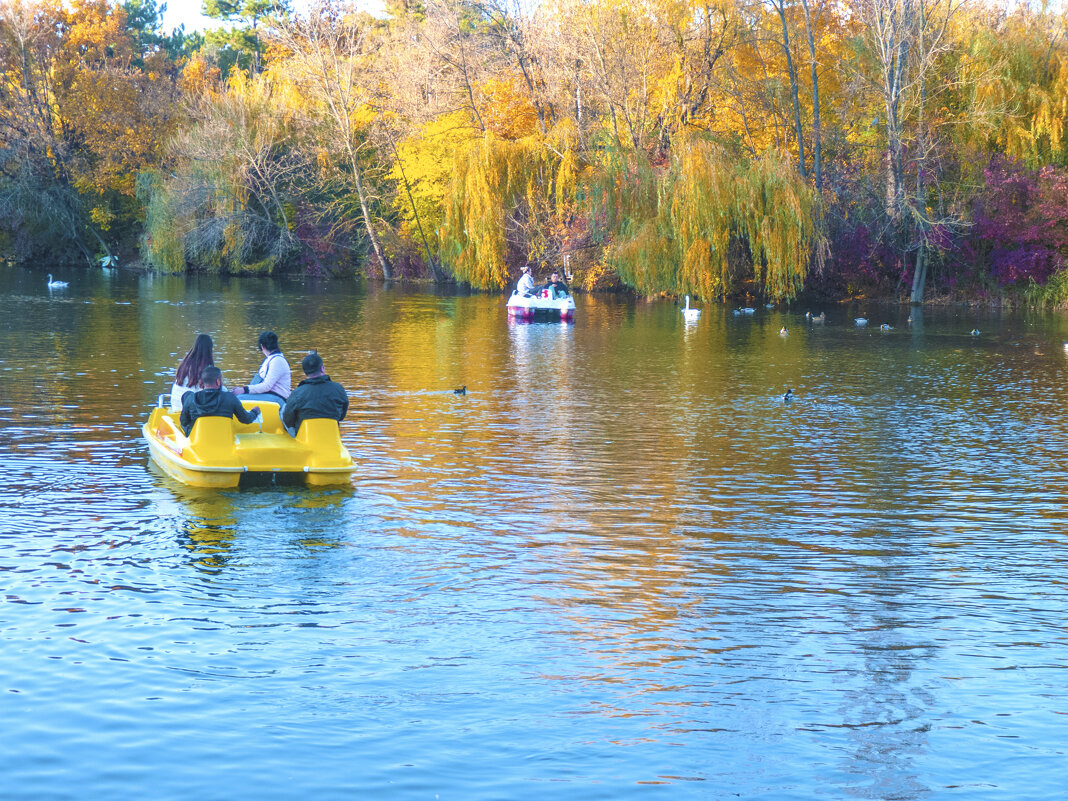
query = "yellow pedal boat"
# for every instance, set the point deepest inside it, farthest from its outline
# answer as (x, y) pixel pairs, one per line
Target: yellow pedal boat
(220, 450)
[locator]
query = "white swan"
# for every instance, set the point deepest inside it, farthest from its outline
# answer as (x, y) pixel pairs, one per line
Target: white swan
(860, 321)
(688, 314)
(55, 284)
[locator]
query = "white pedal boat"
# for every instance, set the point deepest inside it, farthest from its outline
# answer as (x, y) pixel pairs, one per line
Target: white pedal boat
(525, 307)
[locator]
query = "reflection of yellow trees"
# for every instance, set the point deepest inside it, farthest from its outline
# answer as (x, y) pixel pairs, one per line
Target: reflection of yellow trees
(208, 542)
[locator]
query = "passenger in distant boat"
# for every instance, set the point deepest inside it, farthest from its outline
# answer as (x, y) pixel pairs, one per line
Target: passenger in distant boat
(272, 381)
(557, 288)
(525, 287)
(199, 357)
(316, 397)
(212, 401)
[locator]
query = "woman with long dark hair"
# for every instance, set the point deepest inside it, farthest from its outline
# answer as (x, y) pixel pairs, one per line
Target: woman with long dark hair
(199, 357)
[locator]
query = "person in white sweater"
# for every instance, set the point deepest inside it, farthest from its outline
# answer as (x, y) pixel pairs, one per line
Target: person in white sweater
(273, 381)
(525, 287)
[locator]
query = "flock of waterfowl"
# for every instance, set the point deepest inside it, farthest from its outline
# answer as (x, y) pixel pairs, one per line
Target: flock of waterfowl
(692, 315)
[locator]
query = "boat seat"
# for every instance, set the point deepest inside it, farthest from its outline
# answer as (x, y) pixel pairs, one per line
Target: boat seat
(268, 422)
(318, 429)
(212, 439)
(322, 437)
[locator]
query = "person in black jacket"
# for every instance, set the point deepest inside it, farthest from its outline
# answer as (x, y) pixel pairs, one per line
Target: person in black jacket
(557, 288)
(211, 401)
(315, 397)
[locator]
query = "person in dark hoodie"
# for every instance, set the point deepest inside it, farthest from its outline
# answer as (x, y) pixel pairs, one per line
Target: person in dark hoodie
(211, 401)
(315, 397)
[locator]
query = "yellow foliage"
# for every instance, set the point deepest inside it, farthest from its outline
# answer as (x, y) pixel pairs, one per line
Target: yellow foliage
(677, 238)
(198, 76)
(499, 186)
(1019, 79)
(101, 217)
(425, 164)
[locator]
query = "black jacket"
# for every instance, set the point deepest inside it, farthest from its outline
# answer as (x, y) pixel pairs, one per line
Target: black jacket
(315, 398)
(211, 403)
(557, 290)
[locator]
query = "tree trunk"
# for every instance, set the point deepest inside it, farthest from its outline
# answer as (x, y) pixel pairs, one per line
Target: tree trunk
(435, 268)
(919, 277)
(922, 226)
(376, 246)
(780, 6)
(817, 136)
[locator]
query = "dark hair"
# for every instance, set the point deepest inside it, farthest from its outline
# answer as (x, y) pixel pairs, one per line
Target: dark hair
(211, 375)
(269, 340)
(312, 363)
(195, 361)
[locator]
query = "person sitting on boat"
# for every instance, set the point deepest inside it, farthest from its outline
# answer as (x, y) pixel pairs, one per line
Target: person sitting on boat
(212, 401)
(316, 397)
(199, 357)
(525, 287)
(557, 288)
(272, 382)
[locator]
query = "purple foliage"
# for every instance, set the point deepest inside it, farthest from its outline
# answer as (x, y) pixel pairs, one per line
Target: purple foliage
(1021, 222)
(860, 258)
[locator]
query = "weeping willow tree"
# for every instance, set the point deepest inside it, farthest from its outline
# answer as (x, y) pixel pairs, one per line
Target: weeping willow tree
(1013, 76)
(507, 197)
(671, 230)
(227, 204)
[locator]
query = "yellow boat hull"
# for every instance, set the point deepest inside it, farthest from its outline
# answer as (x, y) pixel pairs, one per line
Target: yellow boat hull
(219, 451)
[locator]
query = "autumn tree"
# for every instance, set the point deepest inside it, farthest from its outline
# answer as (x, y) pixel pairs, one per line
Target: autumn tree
(228, 202)
(241, 43)
(504, 200)
(83, 110)
(692, 228)
(329, 55)
(906, 40)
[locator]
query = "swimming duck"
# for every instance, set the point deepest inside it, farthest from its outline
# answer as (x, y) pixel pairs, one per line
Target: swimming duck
(886, 327)
(783, 332)
(789, 396)
(819, 318)
(55, 284)
(860, 320)
(975, 332)
(460, 390)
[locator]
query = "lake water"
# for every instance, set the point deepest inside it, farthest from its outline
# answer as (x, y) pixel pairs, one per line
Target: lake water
(619, 567)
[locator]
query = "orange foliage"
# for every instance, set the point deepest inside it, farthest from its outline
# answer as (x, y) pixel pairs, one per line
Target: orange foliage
(506, 110)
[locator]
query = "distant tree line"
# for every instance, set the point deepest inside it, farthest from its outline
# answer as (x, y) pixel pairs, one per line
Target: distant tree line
(906, 148)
